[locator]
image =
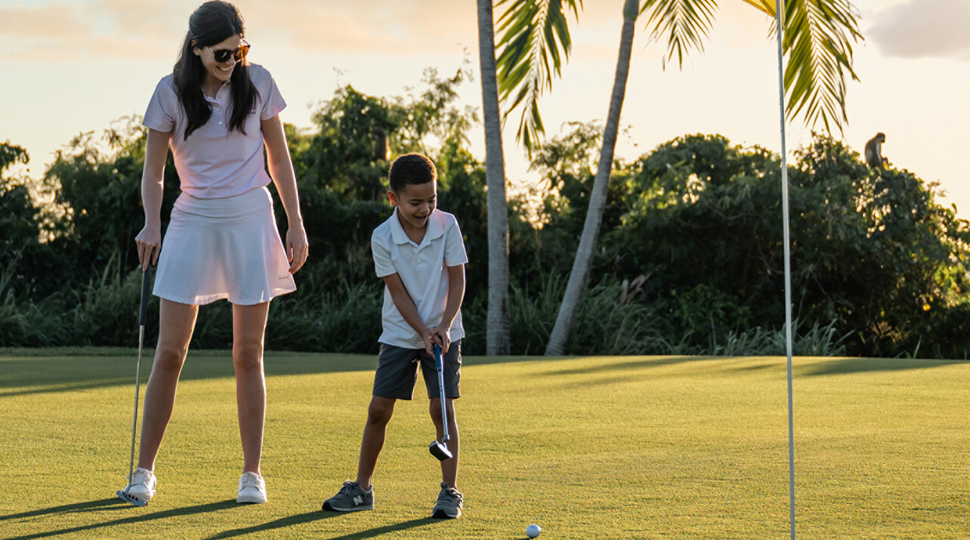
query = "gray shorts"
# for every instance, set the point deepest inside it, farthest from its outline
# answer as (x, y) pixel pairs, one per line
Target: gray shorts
(397, 372)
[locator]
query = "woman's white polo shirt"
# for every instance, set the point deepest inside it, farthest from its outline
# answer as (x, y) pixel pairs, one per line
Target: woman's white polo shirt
(424, 271)
(215, 163)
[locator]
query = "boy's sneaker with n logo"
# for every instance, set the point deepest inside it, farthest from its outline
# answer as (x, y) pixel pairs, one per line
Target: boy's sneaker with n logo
(449, 503)
(350, 498)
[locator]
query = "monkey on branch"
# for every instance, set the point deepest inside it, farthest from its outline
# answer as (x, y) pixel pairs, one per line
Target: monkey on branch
(874, 152)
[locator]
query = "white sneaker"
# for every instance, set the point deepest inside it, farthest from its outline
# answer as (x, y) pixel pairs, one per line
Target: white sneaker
(141, 485)
(252, 489)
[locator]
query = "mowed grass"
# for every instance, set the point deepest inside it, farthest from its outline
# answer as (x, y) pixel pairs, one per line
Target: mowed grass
(594, 447)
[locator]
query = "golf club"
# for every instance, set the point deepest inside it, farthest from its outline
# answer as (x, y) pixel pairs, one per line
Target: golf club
(145, 280)
(439, 449)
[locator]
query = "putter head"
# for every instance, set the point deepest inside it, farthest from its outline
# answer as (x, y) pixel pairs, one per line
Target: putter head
(127, 497)
(440, 451)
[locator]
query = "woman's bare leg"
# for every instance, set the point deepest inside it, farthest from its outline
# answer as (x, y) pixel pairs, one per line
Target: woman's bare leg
(248, 328)
(176, 324)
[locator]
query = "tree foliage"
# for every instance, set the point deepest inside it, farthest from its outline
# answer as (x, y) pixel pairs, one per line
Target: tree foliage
(872, 251)
(690, 260)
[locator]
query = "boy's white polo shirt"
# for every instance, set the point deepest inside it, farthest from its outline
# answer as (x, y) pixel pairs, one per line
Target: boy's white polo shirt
(424, 271)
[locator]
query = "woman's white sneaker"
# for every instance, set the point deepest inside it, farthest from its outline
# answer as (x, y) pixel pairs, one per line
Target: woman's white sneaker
(252, 489)
(141, 485)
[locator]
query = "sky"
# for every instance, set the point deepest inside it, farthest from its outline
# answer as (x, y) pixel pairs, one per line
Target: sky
(73, 66)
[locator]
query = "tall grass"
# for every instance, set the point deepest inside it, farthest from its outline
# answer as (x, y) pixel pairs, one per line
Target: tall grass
(106, 311)
(816, 341)
(607, 325)
(26, 324)
(333, 314)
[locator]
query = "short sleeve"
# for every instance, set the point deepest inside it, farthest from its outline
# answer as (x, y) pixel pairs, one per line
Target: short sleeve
(383, 265)
(272, 100)
(454, 245)
(162, 109)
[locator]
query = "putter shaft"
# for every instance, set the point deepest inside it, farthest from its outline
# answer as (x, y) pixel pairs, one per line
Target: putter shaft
(440, 449)
(143, 315)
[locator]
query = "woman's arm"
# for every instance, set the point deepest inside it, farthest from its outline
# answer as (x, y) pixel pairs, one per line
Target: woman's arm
(281, 169)
(149, 240)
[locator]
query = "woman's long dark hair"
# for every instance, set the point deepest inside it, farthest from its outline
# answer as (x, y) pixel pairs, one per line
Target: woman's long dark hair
(212, 23)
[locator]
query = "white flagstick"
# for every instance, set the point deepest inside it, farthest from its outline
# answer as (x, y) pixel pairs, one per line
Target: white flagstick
(788, 321)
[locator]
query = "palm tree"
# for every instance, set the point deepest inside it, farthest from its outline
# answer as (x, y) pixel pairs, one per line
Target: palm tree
(818, 37)
(497, 334)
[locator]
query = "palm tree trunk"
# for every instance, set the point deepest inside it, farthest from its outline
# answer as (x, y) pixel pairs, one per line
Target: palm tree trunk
(497, 334)
(559, 340)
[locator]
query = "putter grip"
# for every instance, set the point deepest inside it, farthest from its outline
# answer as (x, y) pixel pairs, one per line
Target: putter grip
(437, 354)
(145, 283)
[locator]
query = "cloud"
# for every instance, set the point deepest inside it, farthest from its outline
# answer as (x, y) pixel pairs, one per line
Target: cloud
(924, 29)
(366, 26)
(65, 29)
(53, 21)
(145, 19)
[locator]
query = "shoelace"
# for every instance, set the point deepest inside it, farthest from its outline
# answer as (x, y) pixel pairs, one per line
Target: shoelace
(250, 480)
(140, 477)
(450, 493)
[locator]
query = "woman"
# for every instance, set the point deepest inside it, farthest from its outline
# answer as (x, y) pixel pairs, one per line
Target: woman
(217, 113)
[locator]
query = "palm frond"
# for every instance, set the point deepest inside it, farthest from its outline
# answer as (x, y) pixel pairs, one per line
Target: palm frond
(768, 6)
(685, 23)
(818, 41)
(534, 42)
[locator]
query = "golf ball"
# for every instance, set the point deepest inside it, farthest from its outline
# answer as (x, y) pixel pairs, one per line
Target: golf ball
(533, 530)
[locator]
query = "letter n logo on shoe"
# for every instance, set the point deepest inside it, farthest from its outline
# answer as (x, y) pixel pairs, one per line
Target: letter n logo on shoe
(358, 500)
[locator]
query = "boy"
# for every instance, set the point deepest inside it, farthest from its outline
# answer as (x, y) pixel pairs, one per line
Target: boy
(420, 254)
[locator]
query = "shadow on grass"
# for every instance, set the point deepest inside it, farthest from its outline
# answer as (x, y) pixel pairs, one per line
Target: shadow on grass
(378, 531)
(36, 374)
(67, 508)
(29, 375)
(823, 367)
(64, 388)
(640, 363)
(33, 374)
(848, 366)
(288, 521)
(100, 504)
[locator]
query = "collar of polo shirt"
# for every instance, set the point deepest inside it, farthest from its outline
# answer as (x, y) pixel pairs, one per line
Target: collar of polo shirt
(435, 229)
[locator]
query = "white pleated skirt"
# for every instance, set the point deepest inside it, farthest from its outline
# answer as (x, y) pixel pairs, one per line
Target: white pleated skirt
(218, 249)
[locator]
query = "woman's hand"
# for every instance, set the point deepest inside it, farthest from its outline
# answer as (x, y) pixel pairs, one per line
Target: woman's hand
(297, 248)
(149, 245)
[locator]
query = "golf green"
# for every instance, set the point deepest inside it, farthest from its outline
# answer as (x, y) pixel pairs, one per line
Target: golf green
(591, 447)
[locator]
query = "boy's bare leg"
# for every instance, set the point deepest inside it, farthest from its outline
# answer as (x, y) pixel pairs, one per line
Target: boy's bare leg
(378, 415)
(449, 467)
(248, 328)
(175, 327)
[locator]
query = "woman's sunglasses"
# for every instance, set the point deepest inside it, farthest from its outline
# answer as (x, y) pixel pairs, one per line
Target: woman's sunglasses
(222, 55)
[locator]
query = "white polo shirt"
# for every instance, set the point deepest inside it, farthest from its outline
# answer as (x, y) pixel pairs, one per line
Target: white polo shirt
(424, 271)
(216, 163)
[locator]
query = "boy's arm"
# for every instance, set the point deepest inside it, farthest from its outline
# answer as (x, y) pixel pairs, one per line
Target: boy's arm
(405, 305)
(456, 292)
